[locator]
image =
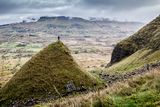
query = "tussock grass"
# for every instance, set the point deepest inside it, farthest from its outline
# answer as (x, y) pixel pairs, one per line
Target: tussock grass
(142, 90)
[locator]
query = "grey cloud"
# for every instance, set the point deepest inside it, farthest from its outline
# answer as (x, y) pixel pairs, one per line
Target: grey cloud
(120, 9)
(119, 4)
(8, 6)
(14, 5)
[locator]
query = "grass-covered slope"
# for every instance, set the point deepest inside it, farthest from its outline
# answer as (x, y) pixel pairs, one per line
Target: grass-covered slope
(45, 76)
(135, 61)
(140, 91)
(148, 37)
(139, 49)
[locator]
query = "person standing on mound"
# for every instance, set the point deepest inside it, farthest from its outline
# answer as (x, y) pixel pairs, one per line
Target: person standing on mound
(58, 38)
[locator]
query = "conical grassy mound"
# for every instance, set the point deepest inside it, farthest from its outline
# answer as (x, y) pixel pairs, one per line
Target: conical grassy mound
(45, 76)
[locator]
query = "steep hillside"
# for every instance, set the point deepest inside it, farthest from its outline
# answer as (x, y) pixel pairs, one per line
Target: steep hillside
(139, 49)
(148, 37)
(51, 73)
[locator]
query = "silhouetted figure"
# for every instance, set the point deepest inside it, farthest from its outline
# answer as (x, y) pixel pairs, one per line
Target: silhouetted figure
(58, 38)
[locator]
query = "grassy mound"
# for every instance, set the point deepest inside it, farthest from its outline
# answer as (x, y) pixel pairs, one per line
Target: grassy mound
(45, 76)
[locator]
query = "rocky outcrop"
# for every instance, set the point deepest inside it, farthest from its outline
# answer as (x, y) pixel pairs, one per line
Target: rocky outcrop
(121, 52)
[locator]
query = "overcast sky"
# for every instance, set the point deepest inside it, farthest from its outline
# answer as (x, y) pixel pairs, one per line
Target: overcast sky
(131, 10)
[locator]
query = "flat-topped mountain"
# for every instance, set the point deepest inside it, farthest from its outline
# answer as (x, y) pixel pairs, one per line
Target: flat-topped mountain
(46, 18)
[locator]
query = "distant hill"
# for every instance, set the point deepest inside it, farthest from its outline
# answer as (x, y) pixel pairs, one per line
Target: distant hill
(141, 48)
(46, 18)
(66, 27)
(51, 73)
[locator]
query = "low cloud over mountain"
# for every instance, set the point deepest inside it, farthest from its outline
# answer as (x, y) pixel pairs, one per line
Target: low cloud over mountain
(15, 10)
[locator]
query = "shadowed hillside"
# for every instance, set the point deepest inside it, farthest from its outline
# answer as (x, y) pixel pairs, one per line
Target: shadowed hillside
(148, 37)
(50, 74)
(139, 49)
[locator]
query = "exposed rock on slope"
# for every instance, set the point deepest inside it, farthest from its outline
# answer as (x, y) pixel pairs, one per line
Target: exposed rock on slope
(46, 75)
(148, 37)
